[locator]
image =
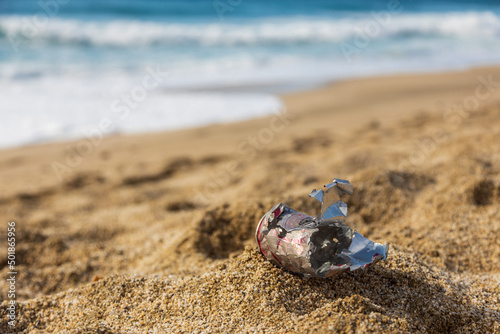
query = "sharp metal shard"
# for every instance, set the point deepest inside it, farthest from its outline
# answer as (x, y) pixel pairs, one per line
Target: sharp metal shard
(321, 246)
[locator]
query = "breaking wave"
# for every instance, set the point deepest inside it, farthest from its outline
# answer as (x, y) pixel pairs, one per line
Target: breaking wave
(281, 31)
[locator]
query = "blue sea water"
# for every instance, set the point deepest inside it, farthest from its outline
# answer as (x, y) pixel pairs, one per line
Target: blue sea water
(65, 65)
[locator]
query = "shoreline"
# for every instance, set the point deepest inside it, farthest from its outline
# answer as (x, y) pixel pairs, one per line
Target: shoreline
(280, 94)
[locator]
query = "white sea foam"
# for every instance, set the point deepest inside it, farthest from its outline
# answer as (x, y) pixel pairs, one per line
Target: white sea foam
(64, 108)
(134, 33)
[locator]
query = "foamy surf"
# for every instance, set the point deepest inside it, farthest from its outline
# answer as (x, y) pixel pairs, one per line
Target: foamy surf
(59, 109)
(309, 30)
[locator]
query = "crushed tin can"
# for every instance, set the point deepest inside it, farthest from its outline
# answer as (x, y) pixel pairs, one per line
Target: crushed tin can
(320, 246)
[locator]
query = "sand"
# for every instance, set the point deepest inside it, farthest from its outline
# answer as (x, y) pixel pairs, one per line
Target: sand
(155, 233)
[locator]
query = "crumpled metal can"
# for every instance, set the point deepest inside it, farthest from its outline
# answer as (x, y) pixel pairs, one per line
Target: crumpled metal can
(320, 246)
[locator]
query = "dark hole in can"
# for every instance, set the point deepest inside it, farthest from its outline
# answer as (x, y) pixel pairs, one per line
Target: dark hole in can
(329, 241)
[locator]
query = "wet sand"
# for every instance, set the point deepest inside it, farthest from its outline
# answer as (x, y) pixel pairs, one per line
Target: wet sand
(155, 232)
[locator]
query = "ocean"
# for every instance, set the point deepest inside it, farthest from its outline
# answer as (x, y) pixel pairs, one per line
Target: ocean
(150, 65)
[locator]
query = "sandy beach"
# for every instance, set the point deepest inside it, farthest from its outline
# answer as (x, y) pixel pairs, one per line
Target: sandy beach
(154, 233)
